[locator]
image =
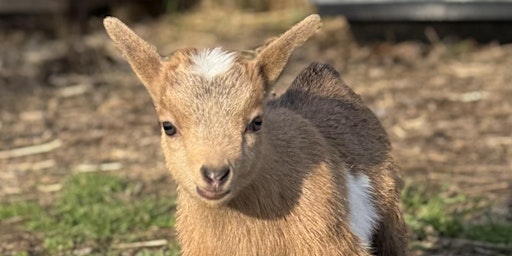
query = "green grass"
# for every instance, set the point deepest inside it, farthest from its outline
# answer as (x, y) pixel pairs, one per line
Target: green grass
(428, 214)
(18, 209)
(493, 232)
(172, 251)
(95, 210)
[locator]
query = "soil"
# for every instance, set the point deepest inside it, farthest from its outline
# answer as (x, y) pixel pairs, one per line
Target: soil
(73, 105)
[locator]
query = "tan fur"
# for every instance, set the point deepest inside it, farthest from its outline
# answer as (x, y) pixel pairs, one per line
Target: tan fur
(142, 56)
(286, 193)
(274, 56)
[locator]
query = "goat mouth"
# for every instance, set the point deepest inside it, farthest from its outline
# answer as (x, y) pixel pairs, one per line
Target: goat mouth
(212, 195)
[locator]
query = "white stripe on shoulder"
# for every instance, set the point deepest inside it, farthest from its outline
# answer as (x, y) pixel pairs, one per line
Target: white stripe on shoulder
(211, 62)
(363, 215)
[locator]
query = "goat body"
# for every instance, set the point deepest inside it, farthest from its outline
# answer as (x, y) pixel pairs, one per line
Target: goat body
(307, 173)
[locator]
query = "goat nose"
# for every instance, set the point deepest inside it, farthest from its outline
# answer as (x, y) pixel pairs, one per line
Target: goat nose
(215, 176)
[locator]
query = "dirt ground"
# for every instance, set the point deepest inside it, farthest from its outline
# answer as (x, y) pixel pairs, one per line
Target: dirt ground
(73, 105)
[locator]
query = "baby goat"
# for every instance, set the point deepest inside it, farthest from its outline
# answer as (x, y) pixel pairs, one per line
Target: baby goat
(307, 173)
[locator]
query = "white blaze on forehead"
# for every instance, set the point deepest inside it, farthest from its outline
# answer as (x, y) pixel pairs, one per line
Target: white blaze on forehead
(211, 62)
(363, 215)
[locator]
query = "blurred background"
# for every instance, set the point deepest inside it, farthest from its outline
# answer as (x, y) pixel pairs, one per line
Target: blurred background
(81, 172)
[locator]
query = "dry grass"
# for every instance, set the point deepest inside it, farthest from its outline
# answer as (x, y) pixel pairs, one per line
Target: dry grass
(446, 107)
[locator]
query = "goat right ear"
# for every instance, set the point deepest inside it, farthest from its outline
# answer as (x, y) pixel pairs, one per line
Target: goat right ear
(274, 55)
(143, 57)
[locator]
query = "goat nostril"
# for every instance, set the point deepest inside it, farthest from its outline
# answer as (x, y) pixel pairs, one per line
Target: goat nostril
(223, 175)
(204, 172)
(212, 176)
(207, 174)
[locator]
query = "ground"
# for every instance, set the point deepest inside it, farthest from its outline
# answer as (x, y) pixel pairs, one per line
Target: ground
(72, 112)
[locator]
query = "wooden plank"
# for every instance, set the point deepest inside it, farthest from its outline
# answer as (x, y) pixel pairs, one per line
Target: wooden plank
(33, 6)
(417, 10)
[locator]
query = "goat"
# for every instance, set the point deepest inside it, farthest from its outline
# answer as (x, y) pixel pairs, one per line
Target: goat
(305, 173)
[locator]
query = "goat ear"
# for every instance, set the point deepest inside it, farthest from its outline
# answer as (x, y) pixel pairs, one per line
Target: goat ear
(273, 57)
(143, 57)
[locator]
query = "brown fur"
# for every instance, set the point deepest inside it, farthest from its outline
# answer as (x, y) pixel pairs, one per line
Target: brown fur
(357, 135)
(287, 192)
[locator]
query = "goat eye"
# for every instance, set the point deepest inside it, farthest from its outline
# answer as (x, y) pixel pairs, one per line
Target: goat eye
(255, 124)
(169, 128)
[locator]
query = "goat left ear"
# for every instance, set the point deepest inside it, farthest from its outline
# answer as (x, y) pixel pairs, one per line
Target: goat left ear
(274, 56)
